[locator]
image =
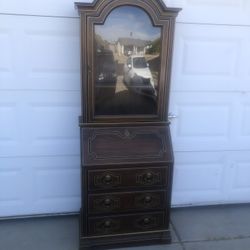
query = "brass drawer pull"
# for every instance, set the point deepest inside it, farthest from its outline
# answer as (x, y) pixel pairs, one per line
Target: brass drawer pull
(107, 202)
(108, 179)
(107, 223)
(106, 226)
(149, 178)
(148, 199)
(146, 221)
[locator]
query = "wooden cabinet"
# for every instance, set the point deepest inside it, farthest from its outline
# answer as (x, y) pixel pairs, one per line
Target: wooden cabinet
(127, 223)
(124, 202)
(126, 149)
(130, 177)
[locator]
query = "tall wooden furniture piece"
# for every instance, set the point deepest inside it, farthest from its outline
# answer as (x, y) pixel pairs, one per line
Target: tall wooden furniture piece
(127, 158)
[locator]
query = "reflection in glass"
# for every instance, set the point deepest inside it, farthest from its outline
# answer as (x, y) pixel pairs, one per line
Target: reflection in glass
(127, 63)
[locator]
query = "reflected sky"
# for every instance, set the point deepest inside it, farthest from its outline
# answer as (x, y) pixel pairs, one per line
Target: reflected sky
(128, 21)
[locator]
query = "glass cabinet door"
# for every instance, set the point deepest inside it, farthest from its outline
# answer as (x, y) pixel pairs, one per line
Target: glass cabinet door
(127, 50)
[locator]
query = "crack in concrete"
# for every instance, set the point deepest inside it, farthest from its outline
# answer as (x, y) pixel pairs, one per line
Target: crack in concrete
(216, 239)
(178, 235)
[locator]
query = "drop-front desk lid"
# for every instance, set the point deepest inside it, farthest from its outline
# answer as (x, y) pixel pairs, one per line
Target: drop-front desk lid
(125, 145)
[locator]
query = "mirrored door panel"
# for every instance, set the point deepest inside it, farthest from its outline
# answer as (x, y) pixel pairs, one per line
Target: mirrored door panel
(126, 63)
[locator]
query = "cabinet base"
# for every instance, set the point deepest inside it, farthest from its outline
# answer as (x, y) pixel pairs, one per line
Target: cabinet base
(125, 240)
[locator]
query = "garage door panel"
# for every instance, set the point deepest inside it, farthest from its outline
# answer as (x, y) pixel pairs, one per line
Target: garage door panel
(203, 114)
(61, 48)
(39, 123)
(5, 59)
(210, 121)
(211, 58)
(8, 119)
(205, 121)
(46, 56)
(211, 177)
(33, 185)
(54, 117)
(239, 181)
(223, 11)
(213, 11)
(199, 178)
(246, 120)
(61, 189)
(242, 121)
(7, 194)
(241, 177)
(45, 7)
(54, 121)
(246, 66)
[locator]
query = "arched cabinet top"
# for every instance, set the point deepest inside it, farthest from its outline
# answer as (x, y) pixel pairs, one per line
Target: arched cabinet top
(156, 8)
(126, 71)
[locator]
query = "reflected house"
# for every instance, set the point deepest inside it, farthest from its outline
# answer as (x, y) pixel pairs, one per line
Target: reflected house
(128, 46)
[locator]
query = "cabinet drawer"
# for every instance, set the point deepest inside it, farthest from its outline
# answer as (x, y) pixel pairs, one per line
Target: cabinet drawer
(129, 201)
(126, 144)
(127, 177)
(126, 223)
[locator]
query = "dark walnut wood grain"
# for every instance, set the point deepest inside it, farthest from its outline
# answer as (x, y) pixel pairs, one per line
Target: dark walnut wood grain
(126, 223)
(126, 144)
(121, 178)
(123, 202)
(126, 157)
(96, 14)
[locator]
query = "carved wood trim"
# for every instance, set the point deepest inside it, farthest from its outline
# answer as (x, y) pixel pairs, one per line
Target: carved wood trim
(126, 135)
(148, 200)
(147, 222)
(107, 179)
(107, 226)
(148, 178)
(108, 203)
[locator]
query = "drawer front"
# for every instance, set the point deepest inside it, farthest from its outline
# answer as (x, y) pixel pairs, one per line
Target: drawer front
(129, 177)
(126, 144)
(126, 223)
(124, 202)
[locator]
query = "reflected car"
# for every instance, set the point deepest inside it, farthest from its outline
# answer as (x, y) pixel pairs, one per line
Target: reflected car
(138, 77)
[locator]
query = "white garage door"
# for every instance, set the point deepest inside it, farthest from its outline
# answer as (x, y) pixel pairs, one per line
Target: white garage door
(210, 95)
(40, 104)
(39, 109)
